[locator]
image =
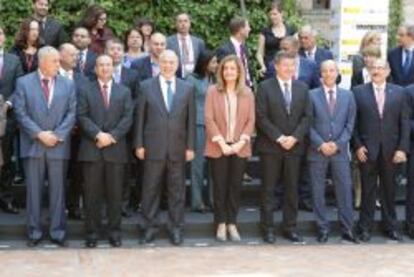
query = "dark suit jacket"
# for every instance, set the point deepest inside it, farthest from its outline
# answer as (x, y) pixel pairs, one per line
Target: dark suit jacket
(397, 74)
(357, 79)
(53, 34)
(12, 69)
(228, 49)
(321, 55)
(273, 120)
(93, 118)
(308, 73)
(89, 68)
(130, 79)
(143, 67)
(198, 48)
(381, 136)
(165, 136)
(409, 91)
(34, 115)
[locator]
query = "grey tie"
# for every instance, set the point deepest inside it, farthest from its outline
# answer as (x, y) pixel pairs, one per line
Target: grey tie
(170, 95)
(287, 95)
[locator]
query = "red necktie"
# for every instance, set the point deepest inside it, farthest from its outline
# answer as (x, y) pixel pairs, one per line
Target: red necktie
(104, 92)
(46, 91)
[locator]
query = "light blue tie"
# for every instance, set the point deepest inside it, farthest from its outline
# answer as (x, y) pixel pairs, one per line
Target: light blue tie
(170, 95)
(288, 96)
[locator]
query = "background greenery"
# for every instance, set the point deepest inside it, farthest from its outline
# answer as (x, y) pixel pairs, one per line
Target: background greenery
(210, 17)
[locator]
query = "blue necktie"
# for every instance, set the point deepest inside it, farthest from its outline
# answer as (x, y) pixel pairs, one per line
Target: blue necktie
(170, 96)
(407, 61)
(80, 61)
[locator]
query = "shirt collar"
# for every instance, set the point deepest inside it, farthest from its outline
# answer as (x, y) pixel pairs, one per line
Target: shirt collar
(326, 89)
(164, 81)
(109, 84)
(43, 77)
(1, 51)
(381, 86)
(235, 41)
(282, 82)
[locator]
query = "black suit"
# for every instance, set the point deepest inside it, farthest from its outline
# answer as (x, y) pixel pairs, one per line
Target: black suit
(395, 60)
(53, 33)
(143, 67)
(228, 49)
(103, 169)
(409, 213)
(277, 164)
(89, 66)
(130, 79)
(12, 69)
(382, 137)
(165, 136)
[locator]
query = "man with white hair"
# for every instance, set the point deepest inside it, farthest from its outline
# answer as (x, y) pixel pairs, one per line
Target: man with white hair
(164, 140)
(309, 48)
(45, 108)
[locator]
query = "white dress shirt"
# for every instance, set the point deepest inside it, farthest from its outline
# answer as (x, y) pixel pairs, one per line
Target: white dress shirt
(164, 88)
(66, 73)
(189, 66)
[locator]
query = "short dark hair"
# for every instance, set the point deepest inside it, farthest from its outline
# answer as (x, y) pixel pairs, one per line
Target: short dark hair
(237, 23)
(282, 55)
(141, 21)
(114, 40)
(128, 33)
(276, 5)
(202, 63)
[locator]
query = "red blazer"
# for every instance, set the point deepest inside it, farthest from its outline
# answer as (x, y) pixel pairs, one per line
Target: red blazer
(216, 124)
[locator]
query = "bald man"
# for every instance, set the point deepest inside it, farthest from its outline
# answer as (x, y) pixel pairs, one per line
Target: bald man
(333, 111)
(45, 108)
(164, 140)
(148, 67)
(105, 112)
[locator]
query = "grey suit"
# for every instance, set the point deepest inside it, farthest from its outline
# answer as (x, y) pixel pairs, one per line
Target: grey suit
(53, 33)
(103, 169)
(198, 47)
(336, 127)
(3, 121)
(34, 115)
(165, 136)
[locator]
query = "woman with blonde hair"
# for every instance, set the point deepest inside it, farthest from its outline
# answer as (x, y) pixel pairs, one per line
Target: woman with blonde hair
(229, 120)
(370, 39)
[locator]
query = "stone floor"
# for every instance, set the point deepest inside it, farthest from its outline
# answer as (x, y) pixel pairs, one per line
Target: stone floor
(241, 261)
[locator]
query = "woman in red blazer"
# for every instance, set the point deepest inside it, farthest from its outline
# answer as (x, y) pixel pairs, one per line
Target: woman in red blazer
(229, 119)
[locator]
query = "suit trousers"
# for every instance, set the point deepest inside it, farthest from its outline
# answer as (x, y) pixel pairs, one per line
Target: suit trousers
(280, 169)
(155, 172)
(103, 180)
(37, 170)
(341, 176)
(227, 174)
(370, 171)
(74, 191)
(409, 204)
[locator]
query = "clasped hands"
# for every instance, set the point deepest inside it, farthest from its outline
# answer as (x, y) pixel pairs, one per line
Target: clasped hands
(48, 138)
(230, 149)
(287, 142)
(104, 140)
(328, 148)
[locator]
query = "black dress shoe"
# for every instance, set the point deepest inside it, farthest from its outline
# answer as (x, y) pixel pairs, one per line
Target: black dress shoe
(410, 233)
(269, 236)
(33, 242)
(293, 237)
(59, 242)
(176, 237)
(18, 180)
(74, 214)
(91, 243)
(322, 237)
(115, 242)
(149, 235)
(8, 205)
(350, 237)
(394, 235)
(306, 205)
(277, 205)
(365, 236)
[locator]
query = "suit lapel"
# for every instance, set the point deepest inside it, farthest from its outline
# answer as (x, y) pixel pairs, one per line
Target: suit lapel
(42, 94)
(372, 99)
(159, 97)
(195, 47)
(279, 95)
(387, 100)
(98, 95)
(56, 93)
(339, 102)
(323, 102)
